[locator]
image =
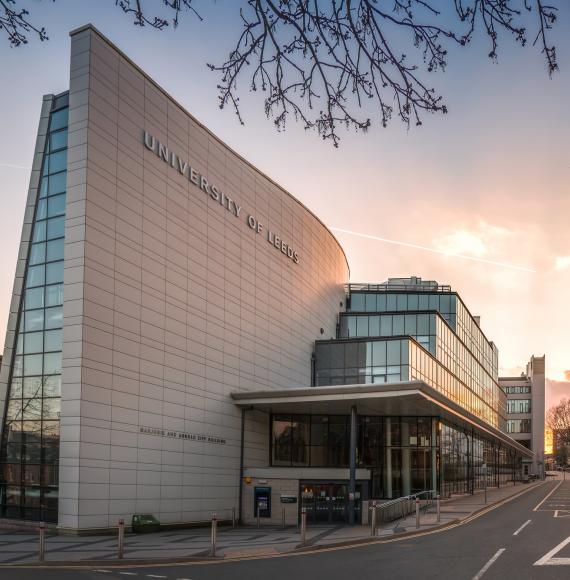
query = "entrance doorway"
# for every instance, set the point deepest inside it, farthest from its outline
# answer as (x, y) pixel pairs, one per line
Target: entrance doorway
(327, 503)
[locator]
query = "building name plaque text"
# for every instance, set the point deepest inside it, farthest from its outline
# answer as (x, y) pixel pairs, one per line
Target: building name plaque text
(216, 194)
(182, 435)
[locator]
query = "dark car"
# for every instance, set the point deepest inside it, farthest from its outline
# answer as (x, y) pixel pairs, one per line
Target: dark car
(143, 523)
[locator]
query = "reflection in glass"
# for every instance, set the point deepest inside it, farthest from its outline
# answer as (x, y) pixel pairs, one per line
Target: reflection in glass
(30, 438)
(54, 295)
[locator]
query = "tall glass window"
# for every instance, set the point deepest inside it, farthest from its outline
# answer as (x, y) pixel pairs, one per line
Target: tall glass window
(29, 451)
(518, 406)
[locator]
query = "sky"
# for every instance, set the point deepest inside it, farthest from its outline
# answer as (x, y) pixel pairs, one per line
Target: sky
(478, 198)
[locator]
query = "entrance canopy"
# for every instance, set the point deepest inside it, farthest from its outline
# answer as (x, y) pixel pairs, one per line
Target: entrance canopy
(409, 398)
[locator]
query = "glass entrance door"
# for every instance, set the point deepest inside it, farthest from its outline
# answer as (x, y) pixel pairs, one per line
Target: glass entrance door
(327, 503)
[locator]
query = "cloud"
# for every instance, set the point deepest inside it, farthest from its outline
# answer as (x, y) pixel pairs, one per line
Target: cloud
(462, 242)
(561, 263)
(567, 375)
(556, 391)
(433, 250)
(480, 240)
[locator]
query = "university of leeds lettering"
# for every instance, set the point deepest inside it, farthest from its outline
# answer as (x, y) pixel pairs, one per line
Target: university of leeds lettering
(215, 193)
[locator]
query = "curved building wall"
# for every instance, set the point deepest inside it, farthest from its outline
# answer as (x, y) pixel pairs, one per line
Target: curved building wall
(173, 299)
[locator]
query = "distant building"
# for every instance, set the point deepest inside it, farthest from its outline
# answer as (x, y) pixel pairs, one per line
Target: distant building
(525, 412)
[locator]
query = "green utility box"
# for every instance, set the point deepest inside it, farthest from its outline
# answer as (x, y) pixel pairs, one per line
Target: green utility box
(144, 523)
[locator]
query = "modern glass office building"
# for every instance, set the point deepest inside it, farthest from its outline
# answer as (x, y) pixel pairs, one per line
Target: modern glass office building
(183, 338)
(419, 388)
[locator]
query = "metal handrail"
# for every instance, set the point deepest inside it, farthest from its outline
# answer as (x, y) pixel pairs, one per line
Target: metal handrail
(401, 507)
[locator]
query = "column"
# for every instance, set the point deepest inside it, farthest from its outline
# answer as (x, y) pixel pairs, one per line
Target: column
(406, 464)
(352, 466)
(388, 456)
(434, 454)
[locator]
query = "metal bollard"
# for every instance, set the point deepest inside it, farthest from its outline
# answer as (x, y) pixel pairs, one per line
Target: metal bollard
(485, 492)
(233, 517)
(303, 524)
(417, 512)
(121, 539)
(258, 513)
(42, 550)
(214, 536)
(283, 517)
(437, 508)
(373, 521)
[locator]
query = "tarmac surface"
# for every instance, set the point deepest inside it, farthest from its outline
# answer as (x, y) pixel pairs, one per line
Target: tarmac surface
(524, 534)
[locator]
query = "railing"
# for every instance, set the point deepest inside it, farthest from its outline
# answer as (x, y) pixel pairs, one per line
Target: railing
(402, 507)
(430, 286)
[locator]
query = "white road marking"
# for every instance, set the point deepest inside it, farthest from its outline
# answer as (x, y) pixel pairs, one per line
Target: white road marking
(522, 528)
(562, 514)
(548, 560)
(488, 564)
(536, 508)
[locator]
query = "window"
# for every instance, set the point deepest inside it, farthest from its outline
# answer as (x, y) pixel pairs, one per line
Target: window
(38, 254)
(34, 298)
(33, 320)
(33, 342)
(55, 228)
(370, 302)
(518, 406)
(59, 119)
(56, 205)
(54, 250)
(54, 295)
(54, 273)
(357, 302)
(36, 276)
(55, 162)
(58, 140)
(57, 183)
(518, 426)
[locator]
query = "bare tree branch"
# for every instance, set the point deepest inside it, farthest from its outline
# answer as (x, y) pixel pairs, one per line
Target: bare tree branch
(14, 22)
(322, 60)
(332, 63)
(558, 420)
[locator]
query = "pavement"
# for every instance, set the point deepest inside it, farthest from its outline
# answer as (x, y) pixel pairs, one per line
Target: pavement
(18, 548)
(526, 538)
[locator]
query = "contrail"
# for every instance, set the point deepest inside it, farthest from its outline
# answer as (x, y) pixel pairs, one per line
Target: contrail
(434, 251)
(11, 166)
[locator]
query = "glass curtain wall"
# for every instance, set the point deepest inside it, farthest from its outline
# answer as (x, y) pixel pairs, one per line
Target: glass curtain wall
(400, 451)
(470, 462)
(29, 450)
(404, 454)
(393, 360)
(449, 306)
(421, 327)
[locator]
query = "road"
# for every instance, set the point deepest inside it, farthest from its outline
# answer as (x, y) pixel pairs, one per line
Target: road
(528, 537)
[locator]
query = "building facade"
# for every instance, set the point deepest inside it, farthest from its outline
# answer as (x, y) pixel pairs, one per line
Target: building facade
(526, 412)
(183, 339)
(406, 397)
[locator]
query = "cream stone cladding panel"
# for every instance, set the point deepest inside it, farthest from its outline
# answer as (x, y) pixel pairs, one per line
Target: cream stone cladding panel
(172, 302)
